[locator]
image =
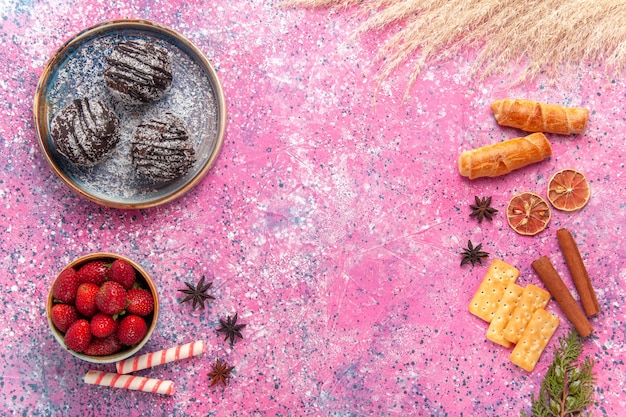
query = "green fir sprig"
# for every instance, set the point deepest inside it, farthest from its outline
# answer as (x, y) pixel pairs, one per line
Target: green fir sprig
(567, 388)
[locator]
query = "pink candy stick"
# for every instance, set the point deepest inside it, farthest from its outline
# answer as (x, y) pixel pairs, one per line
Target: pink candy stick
(133, 382)
(159, 358)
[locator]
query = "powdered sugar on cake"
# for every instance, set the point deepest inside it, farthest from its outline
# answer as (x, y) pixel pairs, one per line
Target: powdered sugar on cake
(138, 71)
(86, 131)
(161, 149)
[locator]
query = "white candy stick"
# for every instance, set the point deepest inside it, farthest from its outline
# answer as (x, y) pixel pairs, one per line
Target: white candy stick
(161, 357)
(138, 383)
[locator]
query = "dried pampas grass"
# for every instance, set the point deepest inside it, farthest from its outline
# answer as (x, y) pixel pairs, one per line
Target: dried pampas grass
(538, 36)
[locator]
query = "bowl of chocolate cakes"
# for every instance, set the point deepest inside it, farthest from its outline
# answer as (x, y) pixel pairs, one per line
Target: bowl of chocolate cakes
(130, 114)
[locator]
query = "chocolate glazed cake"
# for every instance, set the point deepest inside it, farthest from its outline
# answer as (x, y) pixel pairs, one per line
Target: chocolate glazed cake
(161, 148)
(138, 71)
(86, 131)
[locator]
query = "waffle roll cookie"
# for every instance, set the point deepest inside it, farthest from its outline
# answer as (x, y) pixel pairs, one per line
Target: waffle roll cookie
(132, 382)
(160, 357)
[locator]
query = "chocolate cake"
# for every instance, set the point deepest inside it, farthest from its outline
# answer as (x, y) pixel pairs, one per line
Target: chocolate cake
(138, 71)
(161, 148)
(86, 131)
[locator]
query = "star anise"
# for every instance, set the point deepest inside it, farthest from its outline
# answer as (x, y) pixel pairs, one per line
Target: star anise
(482, 209)
(197, 294)
(473, 254)
(220, 373)
(231, 329)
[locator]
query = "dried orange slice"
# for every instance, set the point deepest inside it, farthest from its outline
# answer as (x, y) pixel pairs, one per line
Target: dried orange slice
(568, 190)
(528, 213)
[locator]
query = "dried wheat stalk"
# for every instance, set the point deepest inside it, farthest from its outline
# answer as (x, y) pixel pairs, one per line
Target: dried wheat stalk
(541, 36)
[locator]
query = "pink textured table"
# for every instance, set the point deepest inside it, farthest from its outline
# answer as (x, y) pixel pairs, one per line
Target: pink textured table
(332, 223)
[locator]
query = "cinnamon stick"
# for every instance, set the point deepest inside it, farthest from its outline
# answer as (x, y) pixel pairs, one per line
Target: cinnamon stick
(578, 271)
(555, 285)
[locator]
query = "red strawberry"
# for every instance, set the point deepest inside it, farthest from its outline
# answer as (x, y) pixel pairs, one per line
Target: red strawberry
(140, 302)
(102, 325)
(103, 347)
(123, 273)
(111, 298)
(131, 330)
(94, 272)
(64, 287)
(86, 299)
(78, 336)
(63, 315)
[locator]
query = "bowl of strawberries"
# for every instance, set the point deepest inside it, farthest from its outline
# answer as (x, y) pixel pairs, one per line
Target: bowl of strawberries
(102, 307)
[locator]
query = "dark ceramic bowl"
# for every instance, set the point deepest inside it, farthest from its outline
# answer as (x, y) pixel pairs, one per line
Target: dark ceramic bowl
(195, 96)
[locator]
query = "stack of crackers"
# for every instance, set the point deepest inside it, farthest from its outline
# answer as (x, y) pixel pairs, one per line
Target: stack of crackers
(516, 314)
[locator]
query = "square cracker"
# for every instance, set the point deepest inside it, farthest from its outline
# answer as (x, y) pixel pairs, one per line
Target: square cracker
(534, 340)
(503, 314)
(533, 298)
(489, 293)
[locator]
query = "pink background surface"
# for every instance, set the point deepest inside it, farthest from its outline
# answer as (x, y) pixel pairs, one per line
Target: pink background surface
(332, 223)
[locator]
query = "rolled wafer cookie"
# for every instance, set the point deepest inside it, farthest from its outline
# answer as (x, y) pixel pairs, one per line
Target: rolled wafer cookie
(132, 382)
(160, 357)
(503, 157)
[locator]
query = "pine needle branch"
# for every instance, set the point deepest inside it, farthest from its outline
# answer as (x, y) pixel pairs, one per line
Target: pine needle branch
(568, 387)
